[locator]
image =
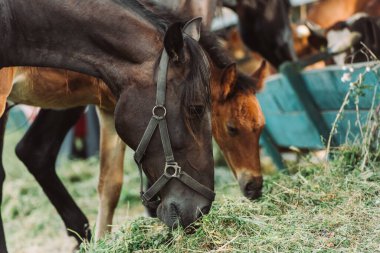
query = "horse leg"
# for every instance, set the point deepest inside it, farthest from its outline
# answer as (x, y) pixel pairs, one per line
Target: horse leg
(3, 122)
(112, 150)
(38, 150)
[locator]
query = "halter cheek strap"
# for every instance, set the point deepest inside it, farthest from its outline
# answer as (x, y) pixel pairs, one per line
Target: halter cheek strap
(172, 169)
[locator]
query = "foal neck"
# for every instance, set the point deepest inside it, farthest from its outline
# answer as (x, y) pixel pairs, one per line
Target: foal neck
(102, 38)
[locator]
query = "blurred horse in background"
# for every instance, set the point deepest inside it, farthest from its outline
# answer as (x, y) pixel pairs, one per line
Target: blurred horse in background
(265, 28)
(327, 15)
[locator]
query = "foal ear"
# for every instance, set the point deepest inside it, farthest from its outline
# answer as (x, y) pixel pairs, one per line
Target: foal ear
(193, 28)
(229, 76)
(260, 74)
(173, 42)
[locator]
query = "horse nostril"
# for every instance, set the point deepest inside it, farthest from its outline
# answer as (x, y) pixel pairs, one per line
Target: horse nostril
(174, 214)
(203, 211)
(252, 191)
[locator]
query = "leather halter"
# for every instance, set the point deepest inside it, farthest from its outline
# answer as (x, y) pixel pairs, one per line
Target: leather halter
(172, 169)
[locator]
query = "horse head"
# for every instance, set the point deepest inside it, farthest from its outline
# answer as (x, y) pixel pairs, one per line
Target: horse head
(237, 123)
(175, 151)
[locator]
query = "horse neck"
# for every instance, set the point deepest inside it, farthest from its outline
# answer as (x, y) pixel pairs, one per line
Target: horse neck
(92, 37)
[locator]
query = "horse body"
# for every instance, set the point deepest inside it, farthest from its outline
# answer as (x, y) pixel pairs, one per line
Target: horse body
(83, 39)
(60, 89)
(74, 35)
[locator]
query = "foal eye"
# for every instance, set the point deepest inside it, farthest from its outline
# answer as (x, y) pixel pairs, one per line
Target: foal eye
(232, 131)
(196, 110)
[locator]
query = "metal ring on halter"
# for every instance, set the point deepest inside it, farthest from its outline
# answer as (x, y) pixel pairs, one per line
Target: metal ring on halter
(155, 112)
(176, 170)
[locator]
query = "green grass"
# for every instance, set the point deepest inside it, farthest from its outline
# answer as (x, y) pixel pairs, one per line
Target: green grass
(329, 206)
(313, 209)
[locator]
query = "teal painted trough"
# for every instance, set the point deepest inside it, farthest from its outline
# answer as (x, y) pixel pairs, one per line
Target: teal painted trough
(301, 106)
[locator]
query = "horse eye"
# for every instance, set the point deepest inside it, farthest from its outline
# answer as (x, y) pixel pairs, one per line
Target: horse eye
(232, 131)
(196, 110)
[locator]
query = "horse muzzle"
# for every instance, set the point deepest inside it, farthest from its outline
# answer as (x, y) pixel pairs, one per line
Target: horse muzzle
(182, 211)
(251, 188)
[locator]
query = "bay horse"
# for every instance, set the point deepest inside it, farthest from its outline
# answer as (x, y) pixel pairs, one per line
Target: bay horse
(237, 120)
(73, 35)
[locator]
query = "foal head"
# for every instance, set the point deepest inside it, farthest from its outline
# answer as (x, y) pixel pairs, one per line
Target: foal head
(237, 122)
(265, 28)
(188, 122)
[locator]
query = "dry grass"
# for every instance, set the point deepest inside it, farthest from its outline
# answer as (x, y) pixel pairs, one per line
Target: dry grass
(310, 210)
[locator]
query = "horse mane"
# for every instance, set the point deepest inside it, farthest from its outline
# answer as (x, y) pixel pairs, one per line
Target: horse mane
(213, 47)
(199, 77)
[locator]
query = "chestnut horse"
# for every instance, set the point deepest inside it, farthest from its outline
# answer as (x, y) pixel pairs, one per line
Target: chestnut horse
(74, 35)
(237, 122)
(326, 13)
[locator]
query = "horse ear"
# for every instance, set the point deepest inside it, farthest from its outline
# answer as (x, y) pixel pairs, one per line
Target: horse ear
(229, 76)
(193, 28)
(173, 42)
(260, 74)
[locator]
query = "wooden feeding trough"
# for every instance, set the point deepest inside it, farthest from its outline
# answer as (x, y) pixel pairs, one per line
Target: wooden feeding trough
(300, 106)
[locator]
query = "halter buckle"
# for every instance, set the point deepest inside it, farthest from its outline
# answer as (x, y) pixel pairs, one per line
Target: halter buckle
(172, 170)
(156, 112)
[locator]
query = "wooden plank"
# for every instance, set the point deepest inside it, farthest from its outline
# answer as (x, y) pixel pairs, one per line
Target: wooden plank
(301, 108)
(293, 129)
(295, 79)
(329, 91)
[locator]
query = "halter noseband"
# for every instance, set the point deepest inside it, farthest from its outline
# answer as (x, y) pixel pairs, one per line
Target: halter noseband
(172, 169)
